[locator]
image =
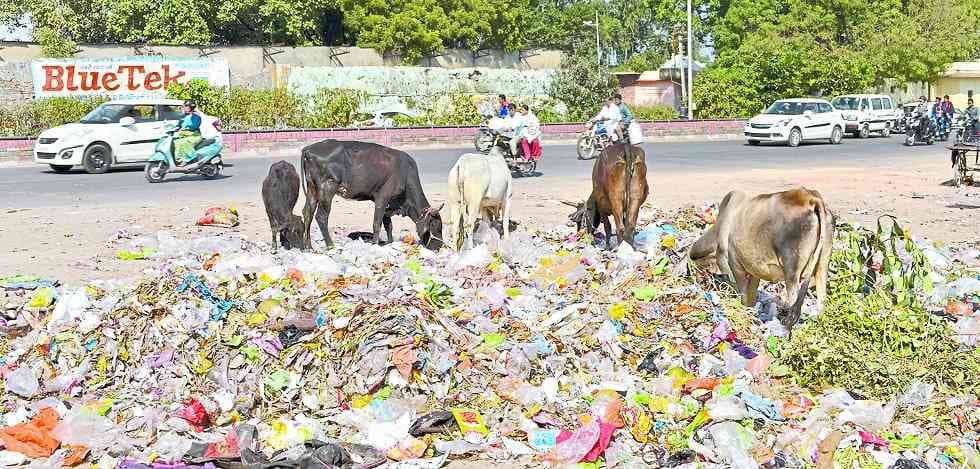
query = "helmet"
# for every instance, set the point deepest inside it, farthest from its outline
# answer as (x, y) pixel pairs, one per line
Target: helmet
(191, 104)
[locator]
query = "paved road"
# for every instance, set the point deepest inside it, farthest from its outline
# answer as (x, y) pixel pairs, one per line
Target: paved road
(37, 187)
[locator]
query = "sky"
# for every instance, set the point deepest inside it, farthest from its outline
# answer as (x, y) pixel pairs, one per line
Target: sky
(15, 33)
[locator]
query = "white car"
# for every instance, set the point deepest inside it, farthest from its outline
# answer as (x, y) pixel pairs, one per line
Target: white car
(792, 121)
(866, 113)
(114, 133)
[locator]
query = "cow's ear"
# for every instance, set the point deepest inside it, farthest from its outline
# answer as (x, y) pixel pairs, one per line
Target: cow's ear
(439, 209)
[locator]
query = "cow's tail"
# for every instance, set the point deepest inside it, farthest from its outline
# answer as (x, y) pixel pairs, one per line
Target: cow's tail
(459, 208)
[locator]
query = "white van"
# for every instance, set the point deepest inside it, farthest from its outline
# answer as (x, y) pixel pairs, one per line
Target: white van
(866, 113)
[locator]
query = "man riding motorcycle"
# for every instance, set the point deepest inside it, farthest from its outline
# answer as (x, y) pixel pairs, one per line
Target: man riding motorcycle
(188, 132)
(610, 117)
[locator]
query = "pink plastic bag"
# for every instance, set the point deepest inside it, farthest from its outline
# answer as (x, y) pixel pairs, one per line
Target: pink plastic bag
(573, 447)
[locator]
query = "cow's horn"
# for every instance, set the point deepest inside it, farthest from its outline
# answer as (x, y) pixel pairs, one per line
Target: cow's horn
(570, 204)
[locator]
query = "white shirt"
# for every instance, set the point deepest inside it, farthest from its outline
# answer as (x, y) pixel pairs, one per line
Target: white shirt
(532, 126)
(609, 112)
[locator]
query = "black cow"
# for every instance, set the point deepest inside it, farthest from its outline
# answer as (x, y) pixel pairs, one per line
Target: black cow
(366, 171)
(280, 190)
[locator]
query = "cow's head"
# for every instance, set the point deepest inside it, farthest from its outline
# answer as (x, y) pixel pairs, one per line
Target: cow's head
(291, 235)
(582, 217)
(429, 226)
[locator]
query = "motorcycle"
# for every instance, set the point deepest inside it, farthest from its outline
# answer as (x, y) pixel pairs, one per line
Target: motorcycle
(592, 141)
(961, 131)
(518, 164)
(204, 160)
(919, 130)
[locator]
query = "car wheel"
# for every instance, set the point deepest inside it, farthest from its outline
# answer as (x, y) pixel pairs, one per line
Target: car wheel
(753, 142)
(795, 137)
(836, 136)
(887, 131)
(61, 168)
(909, 141)
(97, 159)
(864, 132)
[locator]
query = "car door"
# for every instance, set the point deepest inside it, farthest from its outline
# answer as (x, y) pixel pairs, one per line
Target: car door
(877, 108)
(887, 111)
(140, 137)
(814, 122)
(830, 117)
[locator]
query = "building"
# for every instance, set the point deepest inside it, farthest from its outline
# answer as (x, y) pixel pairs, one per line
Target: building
(960, 81)
(655, 87)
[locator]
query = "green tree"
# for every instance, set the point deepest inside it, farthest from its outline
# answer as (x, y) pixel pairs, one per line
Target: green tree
(582, 85)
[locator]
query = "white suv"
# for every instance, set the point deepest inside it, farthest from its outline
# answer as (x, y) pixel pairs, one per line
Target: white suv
(866, 113)
(116, 132)
(792, 121)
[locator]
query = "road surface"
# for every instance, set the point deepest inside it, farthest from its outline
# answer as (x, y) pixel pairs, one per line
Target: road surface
(34, 186)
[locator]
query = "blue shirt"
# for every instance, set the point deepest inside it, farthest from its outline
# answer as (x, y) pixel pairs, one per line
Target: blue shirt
(191, 122)
(624, 111)
(504, 112)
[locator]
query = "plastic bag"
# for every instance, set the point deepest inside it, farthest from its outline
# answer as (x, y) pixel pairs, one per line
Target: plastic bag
(23, 382)
(578, 444)
(85, 427)
(967, 330)
(731, 443)
(871, 415)
(728, 408)
(33, 439)
(918, 395)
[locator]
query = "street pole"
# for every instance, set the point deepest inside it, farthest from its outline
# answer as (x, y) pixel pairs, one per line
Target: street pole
(690, 74)
(598, 60)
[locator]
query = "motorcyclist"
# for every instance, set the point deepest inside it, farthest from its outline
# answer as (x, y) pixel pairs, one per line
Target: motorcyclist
(188, 132)
(624, 111)
(530, 134)
(610, 117)
(971, 120)
(505, 108)
(922, 113)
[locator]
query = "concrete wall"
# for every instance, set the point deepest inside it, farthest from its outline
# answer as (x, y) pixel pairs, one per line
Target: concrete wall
(959, 89)
(260, 67)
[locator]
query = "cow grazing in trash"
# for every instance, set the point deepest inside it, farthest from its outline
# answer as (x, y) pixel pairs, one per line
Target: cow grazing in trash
(366, 172)
(618, 190)
(280, 190)
(781, 237)
(479, 188)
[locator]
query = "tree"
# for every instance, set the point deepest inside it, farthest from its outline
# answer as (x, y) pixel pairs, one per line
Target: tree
(582, 85)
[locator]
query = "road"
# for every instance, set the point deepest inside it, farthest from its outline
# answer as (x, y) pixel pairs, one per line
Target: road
(36, 187)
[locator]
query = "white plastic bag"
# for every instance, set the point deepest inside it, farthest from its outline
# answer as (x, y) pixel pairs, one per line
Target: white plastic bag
(635, 133)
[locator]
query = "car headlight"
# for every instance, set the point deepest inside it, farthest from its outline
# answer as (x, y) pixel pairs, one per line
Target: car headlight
(47, 140)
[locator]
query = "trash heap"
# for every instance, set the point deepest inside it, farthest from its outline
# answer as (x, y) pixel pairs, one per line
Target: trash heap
(539, 350)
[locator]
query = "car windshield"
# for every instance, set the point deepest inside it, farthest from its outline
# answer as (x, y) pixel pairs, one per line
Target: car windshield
(108, 113)
(786, 108)
(845, 103)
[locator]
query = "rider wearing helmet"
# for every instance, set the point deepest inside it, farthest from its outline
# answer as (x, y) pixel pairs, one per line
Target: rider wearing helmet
(188, 132)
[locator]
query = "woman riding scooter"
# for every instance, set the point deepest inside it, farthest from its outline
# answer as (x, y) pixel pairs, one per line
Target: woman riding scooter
(188, 133)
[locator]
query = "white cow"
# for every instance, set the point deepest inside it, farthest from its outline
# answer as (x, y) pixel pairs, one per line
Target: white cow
(479, 186)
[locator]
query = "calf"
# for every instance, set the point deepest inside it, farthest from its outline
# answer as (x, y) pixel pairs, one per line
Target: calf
(366, 171)
(618, 189)
(280, 190)
(781, 237)
(479, 187)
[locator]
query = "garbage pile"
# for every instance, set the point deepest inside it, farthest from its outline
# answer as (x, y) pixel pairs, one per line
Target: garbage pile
(539, 350)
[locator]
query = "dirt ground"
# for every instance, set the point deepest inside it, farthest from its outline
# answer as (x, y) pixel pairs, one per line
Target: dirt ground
(77, 245)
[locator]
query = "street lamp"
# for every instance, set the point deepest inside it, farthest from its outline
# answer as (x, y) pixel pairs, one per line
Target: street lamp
(595, 24)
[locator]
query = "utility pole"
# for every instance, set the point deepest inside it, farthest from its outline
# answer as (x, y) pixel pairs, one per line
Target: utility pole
(690, 66)
(597, 56)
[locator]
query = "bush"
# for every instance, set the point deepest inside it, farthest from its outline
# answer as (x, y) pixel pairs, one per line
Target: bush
(660, 112)
(33, 117)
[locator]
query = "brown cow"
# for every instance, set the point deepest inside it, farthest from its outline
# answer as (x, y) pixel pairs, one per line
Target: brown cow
(781, 237)
(609, 193)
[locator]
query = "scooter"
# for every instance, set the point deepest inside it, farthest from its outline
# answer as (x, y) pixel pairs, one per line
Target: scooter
(919, 130)
(204, 160)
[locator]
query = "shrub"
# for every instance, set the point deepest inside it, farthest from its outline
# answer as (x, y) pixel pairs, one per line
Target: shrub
(334, 108)
(33, 117)
(660, 112)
